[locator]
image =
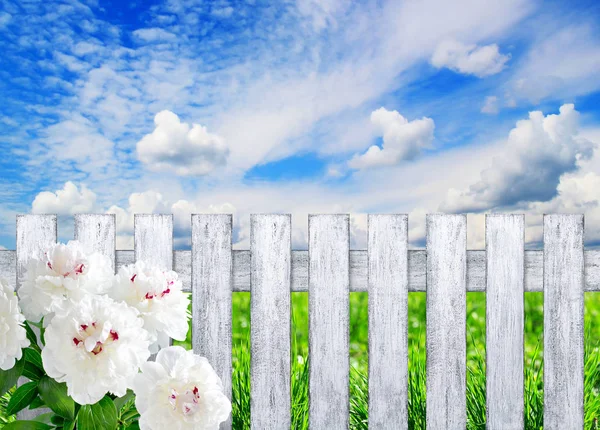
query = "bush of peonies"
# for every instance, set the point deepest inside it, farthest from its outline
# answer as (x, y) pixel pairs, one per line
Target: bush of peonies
(83, 336)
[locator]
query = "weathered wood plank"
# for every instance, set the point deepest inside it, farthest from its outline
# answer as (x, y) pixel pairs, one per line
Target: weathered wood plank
(505, 242)
(35, 233)
(211, 294)
(563, 322)
(328, 321)
(270, 245)
(153, 239)
(153, 242)
(8, 266)
(476, 272)
(97, 232)
(387, 240)
(446, 321)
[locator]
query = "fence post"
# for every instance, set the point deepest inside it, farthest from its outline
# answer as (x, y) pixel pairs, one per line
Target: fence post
(270, 255)
(504, 241)
(212, 282)
(563, 322)
(446, 321)
(98, 233)
(388, 321)
(35, 233)
(328, 321)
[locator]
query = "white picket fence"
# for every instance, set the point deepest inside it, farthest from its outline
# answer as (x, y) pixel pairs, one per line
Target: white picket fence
(329, 271)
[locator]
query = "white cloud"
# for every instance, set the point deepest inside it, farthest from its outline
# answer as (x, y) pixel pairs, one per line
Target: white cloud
(154, 34)
(76, 138)
(68, 201)
(222, 12)
(491, 105)
(469, 59)
(538, 152)
(4, 19)
(402, 140)
(152, 201)
(177, 147)
(541, 76)
(85, 48)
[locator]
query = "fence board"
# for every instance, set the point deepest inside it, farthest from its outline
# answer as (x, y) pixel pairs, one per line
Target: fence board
(476, 271)
(505, 241)
(97, 232)
(446, 321)
(563, 322)
(153, 242)
(388, 321)
(328, 321)
(35, 233)
(270, 245)
(153, 239)
(211, 294)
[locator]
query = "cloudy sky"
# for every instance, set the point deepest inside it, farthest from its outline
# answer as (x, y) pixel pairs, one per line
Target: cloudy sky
(300, 106)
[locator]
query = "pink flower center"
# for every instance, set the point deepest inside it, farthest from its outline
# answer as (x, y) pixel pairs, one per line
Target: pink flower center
(187, 403)
(87, 334)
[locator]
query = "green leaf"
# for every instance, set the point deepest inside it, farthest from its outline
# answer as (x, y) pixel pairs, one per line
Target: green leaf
(34, 368)
(134, 426)
(26, 425)
(121, 401)
(31, 336)
(44, 418)
(22, 397)
(55, 396)
(37, 403)
(99, 416)
(57, 420)
(8, 378)
(69, 425)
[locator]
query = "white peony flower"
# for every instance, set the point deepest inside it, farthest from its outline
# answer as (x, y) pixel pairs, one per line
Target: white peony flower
(158, 296)
(13, 337)
(179, 391)
(96, 346)
(63, 272)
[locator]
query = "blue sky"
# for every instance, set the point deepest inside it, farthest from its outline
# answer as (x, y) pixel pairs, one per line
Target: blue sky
(300, 106)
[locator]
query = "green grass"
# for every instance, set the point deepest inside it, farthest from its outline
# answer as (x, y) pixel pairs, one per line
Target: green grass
(533, 375)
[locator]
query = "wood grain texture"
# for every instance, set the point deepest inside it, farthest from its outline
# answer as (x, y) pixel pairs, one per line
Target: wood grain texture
(270, 245)
(98, 233)
(153, 242)
(563, 322)
(446, 321)
(8, 266)
(35, 233)
(387, 240)
(328, 321)
(211, 294)
(476, 271)
(505, 242)
(153, 239)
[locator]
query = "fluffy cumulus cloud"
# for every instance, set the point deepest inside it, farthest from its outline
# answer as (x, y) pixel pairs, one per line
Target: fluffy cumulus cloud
(402, 140)
(469, 59)
(68, 201)
(180, 148)
(152, 201)
(538, 152)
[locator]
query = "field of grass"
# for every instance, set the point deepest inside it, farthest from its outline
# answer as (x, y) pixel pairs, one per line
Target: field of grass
(359, 360)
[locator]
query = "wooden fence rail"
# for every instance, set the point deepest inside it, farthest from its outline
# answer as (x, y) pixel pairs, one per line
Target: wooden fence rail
(388, 271)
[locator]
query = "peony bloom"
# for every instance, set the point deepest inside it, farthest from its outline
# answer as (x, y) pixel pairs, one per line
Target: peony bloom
(13, 337)
(64, 272)
(179, 391)
(96, 346)
(158, 296)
